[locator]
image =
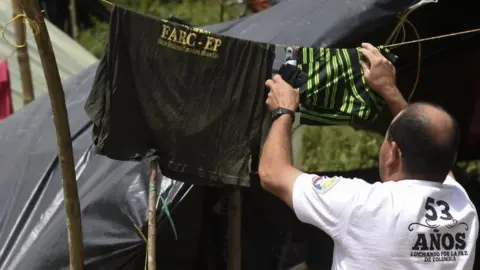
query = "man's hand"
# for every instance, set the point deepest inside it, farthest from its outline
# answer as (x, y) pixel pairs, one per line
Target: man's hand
(380, 75)
(379, 72)
(281, 95)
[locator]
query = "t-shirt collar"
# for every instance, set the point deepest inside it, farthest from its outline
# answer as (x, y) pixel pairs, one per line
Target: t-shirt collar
(420, 182)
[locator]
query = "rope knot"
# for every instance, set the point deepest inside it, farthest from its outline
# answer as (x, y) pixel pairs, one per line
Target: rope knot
(33, 25)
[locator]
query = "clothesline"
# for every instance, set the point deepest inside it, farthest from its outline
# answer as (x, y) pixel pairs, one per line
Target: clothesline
(433, 38)
(418, 40)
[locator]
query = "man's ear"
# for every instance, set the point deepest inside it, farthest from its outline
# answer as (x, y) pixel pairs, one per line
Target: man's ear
(394, 155)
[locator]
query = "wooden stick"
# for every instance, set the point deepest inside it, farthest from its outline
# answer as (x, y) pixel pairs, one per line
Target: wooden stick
(152, 217)
(22, 54)
(234, 230)
(64, 141)
(73, 19)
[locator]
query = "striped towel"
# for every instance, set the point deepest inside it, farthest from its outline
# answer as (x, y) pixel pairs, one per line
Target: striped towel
(336, 91)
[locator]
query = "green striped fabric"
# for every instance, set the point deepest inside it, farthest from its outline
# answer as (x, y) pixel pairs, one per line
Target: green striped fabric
(336, 90)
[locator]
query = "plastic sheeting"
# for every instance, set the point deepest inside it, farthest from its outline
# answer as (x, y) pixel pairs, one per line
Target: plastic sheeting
(345, 24)
(313, 22)
(114, 194)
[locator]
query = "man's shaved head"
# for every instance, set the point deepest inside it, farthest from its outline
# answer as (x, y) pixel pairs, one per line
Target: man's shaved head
(427, 138)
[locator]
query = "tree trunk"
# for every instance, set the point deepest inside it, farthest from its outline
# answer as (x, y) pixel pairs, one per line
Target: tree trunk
(22, 54)
(152, 217)
(73, 19)
(64, 141)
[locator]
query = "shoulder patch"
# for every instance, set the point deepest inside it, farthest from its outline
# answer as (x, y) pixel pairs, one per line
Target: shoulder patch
(323, 184)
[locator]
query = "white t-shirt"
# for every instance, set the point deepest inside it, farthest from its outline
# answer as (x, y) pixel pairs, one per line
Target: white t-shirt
(409, 224)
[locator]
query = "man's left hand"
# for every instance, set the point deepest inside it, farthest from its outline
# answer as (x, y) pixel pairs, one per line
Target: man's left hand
(281, 95)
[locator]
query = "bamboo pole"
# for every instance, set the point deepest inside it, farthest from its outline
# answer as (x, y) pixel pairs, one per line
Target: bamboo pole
(22, 54)
(152, 217)
(73, 19)
(64, 141)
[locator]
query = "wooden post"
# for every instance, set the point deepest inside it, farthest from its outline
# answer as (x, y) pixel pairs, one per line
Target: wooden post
(64, 141)
(234, 230)
(22, 54)
(152, 217)
(73, 19)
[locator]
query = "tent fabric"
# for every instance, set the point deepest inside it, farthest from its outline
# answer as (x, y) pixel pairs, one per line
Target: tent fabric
(114, 194)
(341, 24)
(314, 23)
(71, 57)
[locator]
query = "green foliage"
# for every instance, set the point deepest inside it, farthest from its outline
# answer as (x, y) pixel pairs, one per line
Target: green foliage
(339, 148)
(196, 13)
(94, 39)
(470, 167)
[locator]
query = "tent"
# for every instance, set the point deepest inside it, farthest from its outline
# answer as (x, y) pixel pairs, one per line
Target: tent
(114, 194)
(71, 56)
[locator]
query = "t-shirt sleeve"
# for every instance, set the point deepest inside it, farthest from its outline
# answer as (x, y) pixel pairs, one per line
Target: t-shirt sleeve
(327, 202)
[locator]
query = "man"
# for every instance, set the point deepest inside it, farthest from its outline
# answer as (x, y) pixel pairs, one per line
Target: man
(418, 217)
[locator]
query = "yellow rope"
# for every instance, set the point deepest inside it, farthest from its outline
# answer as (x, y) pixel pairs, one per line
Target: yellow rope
(433, 38)
(419, 63)
(400, 27)
(33, 25)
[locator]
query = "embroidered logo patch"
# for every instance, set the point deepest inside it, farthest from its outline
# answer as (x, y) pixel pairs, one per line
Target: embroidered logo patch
(323, 184)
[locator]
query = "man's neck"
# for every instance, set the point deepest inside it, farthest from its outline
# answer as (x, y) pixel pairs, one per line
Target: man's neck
(400, 177)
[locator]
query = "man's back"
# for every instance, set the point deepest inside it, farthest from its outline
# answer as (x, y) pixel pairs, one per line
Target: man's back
(409, 224)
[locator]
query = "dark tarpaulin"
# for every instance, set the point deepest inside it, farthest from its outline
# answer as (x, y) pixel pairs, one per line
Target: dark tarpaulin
(448, 75)
(313, 22)
(114, 194)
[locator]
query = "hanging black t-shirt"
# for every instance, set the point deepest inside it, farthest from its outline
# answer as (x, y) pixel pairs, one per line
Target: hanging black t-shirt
(190, 98)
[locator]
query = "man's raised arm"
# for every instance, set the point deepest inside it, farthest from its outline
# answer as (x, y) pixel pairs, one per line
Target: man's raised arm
(324, 202)
(380, 75)
(277, 174)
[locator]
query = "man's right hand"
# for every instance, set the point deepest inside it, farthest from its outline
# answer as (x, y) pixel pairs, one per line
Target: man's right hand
(380, 75)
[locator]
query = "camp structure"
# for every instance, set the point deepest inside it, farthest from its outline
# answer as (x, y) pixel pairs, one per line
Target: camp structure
(71, 56)
(192, 234)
